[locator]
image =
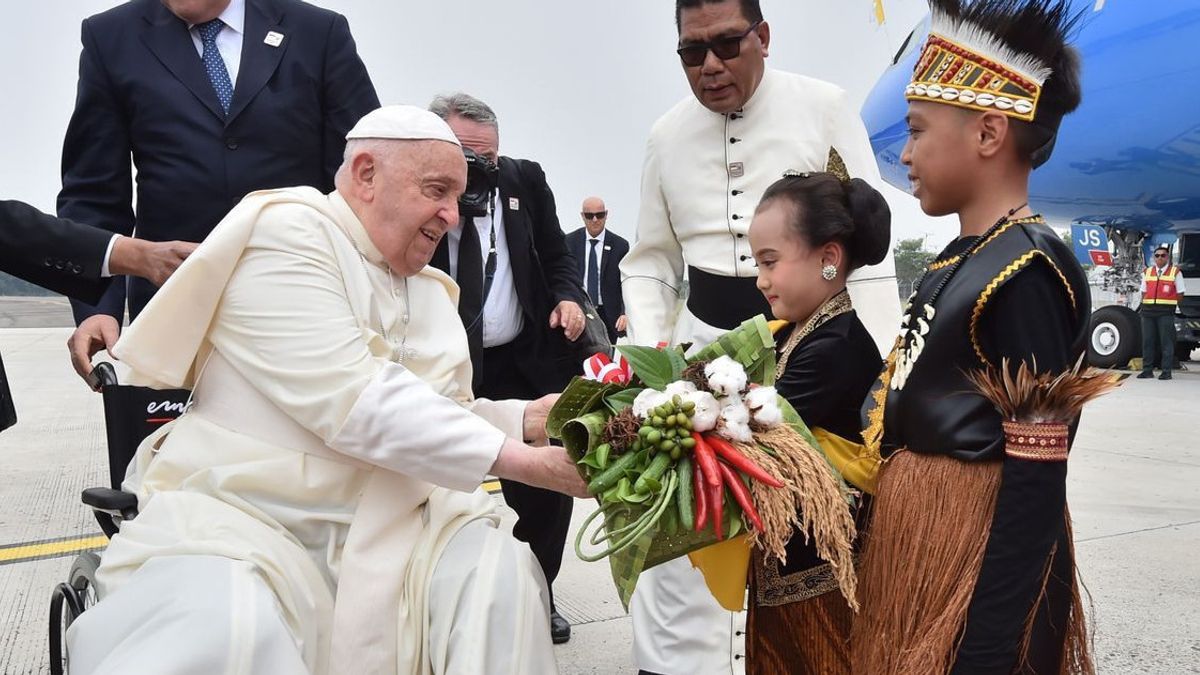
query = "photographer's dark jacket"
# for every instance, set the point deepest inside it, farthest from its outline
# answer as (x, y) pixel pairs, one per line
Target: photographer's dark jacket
(543, 272)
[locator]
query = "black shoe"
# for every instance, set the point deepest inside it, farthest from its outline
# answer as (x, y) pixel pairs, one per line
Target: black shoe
(1146, 374)
(1165, 375)
(560, 630)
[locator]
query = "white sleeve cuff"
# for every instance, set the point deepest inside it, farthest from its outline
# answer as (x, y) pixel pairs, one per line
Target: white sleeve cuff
(108, 254)
(401, 424)
(508, 416)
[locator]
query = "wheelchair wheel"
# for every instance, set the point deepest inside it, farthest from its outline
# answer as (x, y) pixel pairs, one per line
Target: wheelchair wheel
(68, 601)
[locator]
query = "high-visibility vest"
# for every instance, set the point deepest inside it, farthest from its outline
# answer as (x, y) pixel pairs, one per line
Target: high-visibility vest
(1160, 289)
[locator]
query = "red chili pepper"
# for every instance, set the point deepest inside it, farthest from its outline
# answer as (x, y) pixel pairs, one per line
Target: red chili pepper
(700, 493)
(739, 461)
(716, 504)
(706, 459)
(738, 489)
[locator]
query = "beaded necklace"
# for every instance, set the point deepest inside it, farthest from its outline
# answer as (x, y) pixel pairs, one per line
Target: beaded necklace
(913, 332)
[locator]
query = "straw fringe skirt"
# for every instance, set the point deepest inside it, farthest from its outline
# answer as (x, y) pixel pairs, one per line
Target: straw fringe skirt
(922, 554)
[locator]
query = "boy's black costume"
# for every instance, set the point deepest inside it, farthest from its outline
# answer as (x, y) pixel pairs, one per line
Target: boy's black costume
(968, 565)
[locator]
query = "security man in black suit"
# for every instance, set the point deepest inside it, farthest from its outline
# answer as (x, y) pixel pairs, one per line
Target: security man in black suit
(522, 308)
(211, 99)
(599, 253)
(75, 260)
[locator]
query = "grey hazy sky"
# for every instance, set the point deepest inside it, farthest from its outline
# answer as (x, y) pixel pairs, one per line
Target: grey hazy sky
(576, 84)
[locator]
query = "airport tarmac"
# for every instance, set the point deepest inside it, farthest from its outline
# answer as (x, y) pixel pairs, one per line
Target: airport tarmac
(1133, 490)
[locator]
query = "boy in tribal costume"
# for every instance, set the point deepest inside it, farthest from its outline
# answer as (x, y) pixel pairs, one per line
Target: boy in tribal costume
(968, 564)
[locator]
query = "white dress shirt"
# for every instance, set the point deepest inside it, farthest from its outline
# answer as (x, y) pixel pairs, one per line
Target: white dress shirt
(229, 40)
(502, 315)
(104, 271)
(587, 268)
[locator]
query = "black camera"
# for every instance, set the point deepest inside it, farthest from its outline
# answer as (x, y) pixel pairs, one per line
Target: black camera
(483, 177)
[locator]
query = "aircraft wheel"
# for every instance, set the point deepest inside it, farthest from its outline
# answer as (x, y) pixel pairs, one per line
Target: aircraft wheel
(1115, 336)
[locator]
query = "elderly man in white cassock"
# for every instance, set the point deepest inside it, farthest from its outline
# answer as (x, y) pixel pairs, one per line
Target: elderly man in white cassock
(318, 509)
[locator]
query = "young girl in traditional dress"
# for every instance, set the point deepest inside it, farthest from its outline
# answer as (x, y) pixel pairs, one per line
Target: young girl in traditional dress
(810, 231)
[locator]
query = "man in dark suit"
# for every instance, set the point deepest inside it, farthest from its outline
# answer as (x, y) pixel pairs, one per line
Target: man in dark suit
(520, 323)
(598, 253)
(75, 260)
(212, 99)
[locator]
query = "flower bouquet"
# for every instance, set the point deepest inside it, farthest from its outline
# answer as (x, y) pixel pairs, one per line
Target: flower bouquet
(685, 452)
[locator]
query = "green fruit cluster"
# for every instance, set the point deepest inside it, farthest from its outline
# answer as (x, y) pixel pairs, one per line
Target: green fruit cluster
(668, 429)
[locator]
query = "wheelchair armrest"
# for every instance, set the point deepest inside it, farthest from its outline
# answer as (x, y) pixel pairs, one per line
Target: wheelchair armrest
(108, 499)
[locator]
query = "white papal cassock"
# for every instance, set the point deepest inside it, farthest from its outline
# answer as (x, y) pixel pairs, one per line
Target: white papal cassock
(703, 176)
(319, 507)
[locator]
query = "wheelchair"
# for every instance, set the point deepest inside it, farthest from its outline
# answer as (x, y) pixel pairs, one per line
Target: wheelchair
(130, 415)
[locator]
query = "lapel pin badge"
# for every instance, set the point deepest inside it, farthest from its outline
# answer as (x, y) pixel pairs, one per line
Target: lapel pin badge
(273, 39)
(514, 204)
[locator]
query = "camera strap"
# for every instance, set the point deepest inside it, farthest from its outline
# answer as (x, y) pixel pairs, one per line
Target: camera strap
(489, 268)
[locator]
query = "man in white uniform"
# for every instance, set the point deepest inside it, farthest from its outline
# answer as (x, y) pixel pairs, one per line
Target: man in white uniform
(708, 161)
(318, 509)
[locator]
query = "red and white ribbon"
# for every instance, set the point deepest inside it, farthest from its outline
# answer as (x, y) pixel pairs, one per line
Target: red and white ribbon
(600, 368)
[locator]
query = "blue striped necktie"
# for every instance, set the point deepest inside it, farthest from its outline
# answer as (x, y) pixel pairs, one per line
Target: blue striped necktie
(213, 63)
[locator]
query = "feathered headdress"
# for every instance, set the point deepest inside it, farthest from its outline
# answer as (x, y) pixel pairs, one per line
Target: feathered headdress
(995, 55)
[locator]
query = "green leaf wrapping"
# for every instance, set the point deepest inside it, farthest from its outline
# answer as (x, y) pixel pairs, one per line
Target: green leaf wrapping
(651, 366)
(580, 397)
(678, 363)
(751, 345)
(622, 399)
(581, 413)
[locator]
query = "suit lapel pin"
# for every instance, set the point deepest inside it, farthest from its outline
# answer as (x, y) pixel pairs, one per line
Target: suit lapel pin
(273, 39)
(607, 247)
(514, 204)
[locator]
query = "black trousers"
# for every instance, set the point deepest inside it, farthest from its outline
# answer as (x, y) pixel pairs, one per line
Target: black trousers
(1158, 338)
(543, 516)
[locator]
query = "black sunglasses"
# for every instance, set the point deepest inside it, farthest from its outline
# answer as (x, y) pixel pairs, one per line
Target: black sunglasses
(588, 215)
(725, 48)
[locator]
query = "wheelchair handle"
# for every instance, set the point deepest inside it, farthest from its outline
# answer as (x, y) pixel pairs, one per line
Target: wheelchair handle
(102, 375)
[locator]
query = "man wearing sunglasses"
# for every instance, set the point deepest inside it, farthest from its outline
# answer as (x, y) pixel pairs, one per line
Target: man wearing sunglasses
(707, 163)
(1162, 288)
(598, 253)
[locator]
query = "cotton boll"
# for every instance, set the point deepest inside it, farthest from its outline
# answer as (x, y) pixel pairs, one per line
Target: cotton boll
(735, 414)
(769, 415)
(704, 417)
(726, 377)
(648, 400)
(731, 400)
(680, 388)
(760, 396)
(737, 432)
(763, 403)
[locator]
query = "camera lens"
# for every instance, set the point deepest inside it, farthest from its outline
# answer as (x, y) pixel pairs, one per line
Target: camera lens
(482, 180)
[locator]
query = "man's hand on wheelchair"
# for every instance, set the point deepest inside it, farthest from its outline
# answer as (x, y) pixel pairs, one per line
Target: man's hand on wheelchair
(97, 333)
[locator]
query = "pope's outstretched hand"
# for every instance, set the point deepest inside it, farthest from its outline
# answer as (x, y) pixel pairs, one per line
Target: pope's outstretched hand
(546, 467)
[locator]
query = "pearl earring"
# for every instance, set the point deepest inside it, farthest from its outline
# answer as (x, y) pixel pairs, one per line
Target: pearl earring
(829, 273)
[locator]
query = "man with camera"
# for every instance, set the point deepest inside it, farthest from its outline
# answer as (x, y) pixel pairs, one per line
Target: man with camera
(519, 301)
